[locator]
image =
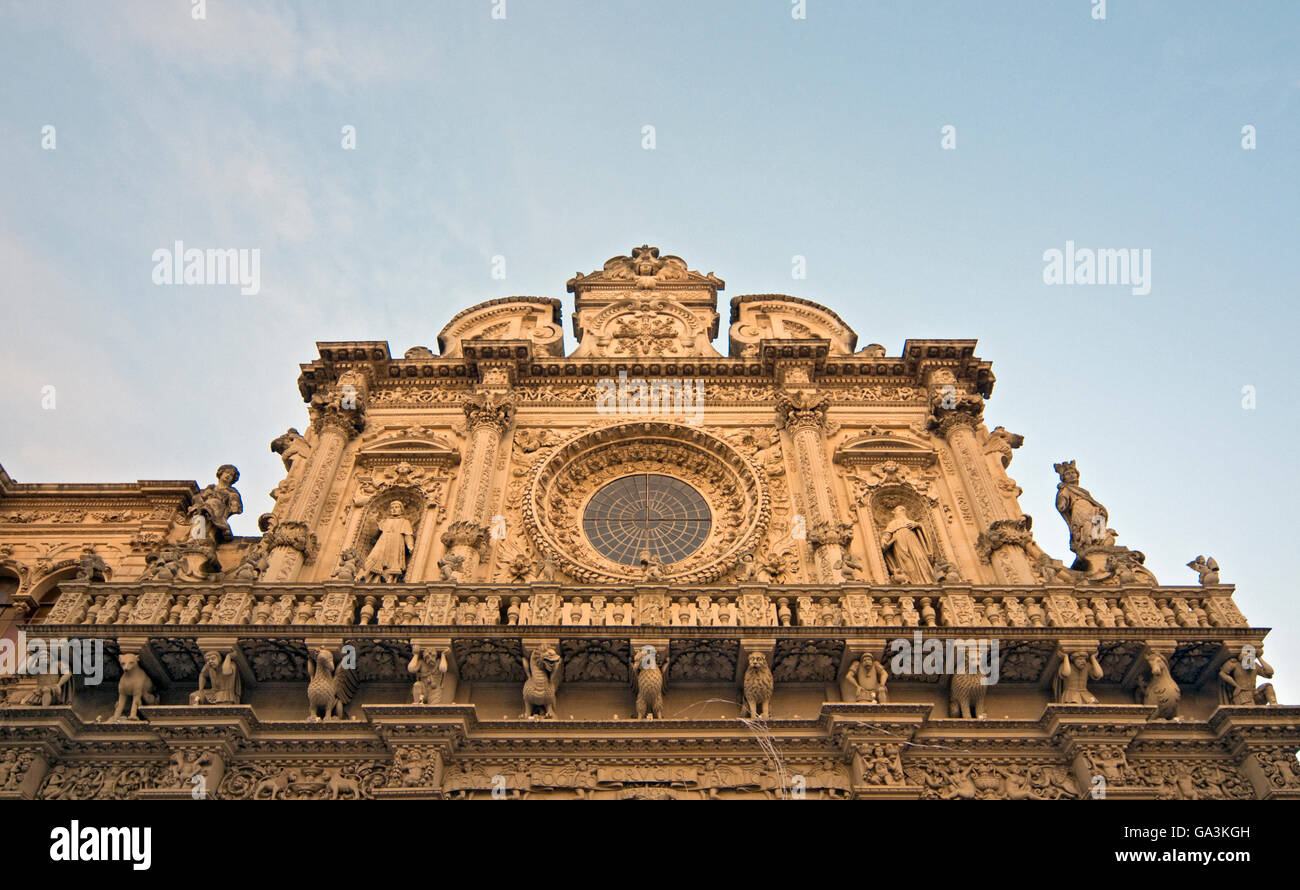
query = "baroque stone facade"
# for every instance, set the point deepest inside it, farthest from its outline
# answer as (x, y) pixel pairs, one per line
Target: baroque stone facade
(636, 569)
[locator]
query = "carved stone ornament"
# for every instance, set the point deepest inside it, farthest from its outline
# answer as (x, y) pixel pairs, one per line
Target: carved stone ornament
(573, 472)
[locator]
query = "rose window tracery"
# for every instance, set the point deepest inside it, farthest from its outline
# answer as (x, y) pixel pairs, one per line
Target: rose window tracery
(646, 513)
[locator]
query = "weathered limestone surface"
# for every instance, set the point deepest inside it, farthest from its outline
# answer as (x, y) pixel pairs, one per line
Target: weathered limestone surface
(438, 608)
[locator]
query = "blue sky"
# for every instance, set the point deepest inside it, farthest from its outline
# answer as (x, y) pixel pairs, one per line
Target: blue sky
(522, 138)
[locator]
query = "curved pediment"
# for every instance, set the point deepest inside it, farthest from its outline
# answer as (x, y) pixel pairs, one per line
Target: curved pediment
(535, 319)
(413, 443)
(876, 446)
(758, 317)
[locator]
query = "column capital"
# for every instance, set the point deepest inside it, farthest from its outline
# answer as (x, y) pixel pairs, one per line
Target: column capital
(489, 409)
(802, 410)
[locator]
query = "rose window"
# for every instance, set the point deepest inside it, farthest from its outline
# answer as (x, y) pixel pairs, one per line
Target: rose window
(647, 512)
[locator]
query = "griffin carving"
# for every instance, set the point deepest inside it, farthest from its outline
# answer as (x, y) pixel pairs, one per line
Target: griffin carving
(542, 671)
(329, 689)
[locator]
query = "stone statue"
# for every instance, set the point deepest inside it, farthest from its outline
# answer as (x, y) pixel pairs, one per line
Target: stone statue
(213, 506)
(1156, 687)
(219, 682)
(542, 670)
(758, 686)
(429, 666)
(651, 566)
(850, 567)
(292, 448)
(1085, 516)
(91, 567)
(1071, 686)
(329, 689)
(349, 566)
(649, 685)
(1237, 682)
(1207, 570)
(387, 559)
(134, 687)
(868, 678)
(252, 565)
(909, 554)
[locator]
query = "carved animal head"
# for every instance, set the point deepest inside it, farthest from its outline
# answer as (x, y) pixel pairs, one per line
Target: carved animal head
(1156, 662)
(757, 661)
(546, 659)
(128, 661)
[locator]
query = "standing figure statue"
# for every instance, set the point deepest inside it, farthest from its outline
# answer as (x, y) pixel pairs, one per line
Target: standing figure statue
(1085, 516)
(908, 552)
(387, 559)
(213, 506)
(1237, 679)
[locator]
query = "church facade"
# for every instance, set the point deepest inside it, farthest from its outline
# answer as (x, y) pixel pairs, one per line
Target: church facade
(636, 568)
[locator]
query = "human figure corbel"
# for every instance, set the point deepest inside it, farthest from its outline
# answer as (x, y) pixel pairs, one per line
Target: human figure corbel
(429, 664)
(1238, 683)
(219, 681)
(868, 677)
(909, 555)
(387, 559)
(1076, 668)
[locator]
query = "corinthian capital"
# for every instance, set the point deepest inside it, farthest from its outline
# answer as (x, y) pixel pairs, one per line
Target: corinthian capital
(294, 535)
(800, 410)
(950, 409)
(489, 409)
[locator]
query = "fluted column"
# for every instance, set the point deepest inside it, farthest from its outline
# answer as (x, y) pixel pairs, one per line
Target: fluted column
(955, 417)
(803, 415)
(489, 415)
(291, 539)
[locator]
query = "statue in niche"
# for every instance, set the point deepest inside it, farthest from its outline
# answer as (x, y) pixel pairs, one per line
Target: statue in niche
(909, 555)
(1237, 681)
(1071, 686)
(387, 559)
(219, 682)
(1085, 516)
(429, 665)
(868, 678)
(213, 506)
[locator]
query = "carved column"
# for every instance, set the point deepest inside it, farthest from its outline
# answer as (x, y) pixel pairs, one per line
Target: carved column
(489, 415)
(955, 417)
(803, 415)
(291, 538)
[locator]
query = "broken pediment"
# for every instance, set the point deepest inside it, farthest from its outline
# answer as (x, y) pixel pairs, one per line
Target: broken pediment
(758, 317)
(534, 319)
